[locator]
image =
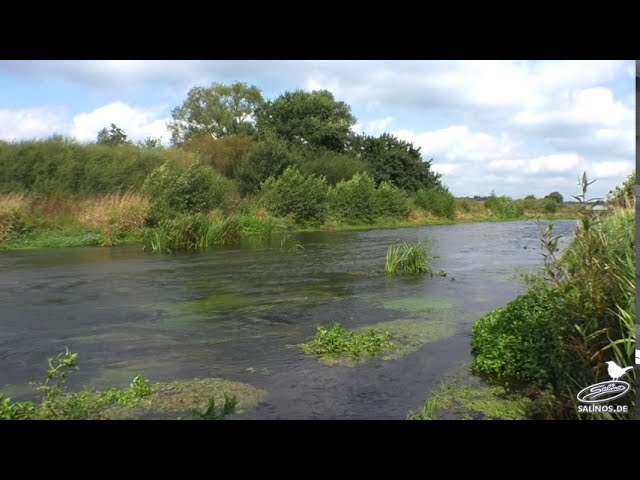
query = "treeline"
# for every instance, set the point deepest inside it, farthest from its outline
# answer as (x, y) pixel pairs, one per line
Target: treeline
(231, 129)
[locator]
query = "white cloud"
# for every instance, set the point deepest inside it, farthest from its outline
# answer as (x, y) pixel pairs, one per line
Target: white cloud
(458, 143)
(31, 123)
(374, 127)
(137, 123)
(612, 169)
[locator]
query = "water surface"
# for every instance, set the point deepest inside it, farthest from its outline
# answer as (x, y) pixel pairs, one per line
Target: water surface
(234, 312)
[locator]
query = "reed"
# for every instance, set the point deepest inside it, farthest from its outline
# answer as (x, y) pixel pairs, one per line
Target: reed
(406, 258)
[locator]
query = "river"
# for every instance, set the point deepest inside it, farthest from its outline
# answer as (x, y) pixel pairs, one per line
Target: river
(235, 312)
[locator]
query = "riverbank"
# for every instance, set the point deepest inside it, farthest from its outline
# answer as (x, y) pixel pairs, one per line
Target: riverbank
(65, 236)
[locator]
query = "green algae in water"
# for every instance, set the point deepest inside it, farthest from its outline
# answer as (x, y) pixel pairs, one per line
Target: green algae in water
(456, 401)
(405, 337)
(169, 400)
(419, 305)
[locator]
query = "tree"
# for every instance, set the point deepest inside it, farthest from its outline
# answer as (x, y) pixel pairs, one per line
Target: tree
(530, 197)
(150, 142)
(555, 196)
(217, 111)
(309, 118)
(114, 136)
(398, 162)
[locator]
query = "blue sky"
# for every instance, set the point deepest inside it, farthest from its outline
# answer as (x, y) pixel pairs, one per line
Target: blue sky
(515, 127)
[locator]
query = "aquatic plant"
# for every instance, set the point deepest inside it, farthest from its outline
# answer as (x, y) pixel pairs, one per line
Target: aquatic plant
(212, 412)
(338, 341)
(193, 232)
(405, 258)
(140, 397)
(288, 245)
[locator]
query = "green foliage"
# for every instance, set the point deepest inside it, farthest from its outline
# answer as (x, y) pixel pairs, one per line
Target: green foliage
(195, 190)
(212, 412)
(61, 165)
(224, 154)
(113, 136)
(270, 157)
(193, 232)
(392, 201)
(216, 111)
(504, 207)
(436, 202)
(397, 162)
(550, 205)
(405, 258)
(521, 344)
(337, 342)
(355, 200)
(304, 198)
(623, 194)
(558, 336)
(308, 118)
(555, 196)
(334, 166)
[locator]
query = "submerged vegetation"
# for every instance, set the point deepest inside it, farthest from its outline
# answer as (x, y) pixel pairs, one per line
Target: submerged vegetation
(555, 339)
(405, 258)
(141, 398)
(387, 341)
(464, 402)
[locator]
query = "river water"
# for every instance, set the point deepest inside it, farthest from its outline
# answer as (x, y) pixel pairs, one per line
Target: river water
(235, 312)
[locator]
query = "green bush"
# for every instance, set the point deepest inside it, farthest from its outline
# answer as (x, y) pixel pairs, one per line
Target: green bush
(522, 344)
(63, 165)
(436, 202)
(304, 198)
(504, 207)
(355, 200)
(549, 205)
(392, 201)
(173, 191)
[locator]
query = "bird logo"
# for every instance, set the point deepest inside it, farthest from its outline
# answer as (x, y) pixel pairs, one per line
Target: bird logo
(615, 371)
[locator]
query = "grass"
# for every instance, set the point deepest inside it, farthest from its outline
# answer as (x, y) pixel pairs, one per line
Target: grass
(140, 399)
(405, 258)
(387, 340)
(458, 401)
(193, 232)
(61, 220)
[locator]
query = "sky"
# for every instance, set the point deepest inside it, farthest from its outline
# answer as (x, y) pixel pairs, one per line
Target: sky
(513, 127)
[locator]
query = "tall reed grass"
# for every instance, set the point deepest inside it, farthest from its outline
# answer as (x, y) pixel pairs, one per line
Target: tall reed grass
(193, 232)
(405, 258)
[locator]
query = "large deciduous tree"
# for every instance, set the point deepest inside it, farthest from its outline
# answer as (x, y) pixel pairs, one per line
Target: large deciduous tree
(311, 118)
(398, 162)
(216, 111)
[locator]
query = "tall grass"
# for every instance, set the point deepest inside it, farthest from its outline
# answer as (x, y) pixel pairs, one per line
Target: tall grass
(193, 232)
(405, 258)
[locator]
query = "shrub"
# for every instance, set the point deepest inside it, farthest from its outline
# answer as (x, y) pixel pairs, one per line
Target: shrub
(436, 202)
(392, 201)
(355, 200)
(304, 198)
(550, 205)
(504, 207)
(522, 344)
(13, 215)
(174, 191)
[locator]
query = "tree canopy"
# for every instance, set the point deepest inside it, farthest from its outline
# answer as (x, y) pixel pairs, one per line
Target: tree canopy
(397, 162)
(311, 118)
(216, 111)
(113, 136)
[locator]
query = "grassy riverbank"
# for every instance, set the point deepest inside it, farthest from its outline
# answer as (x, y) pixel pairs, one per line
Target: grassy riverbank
(36, 222)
